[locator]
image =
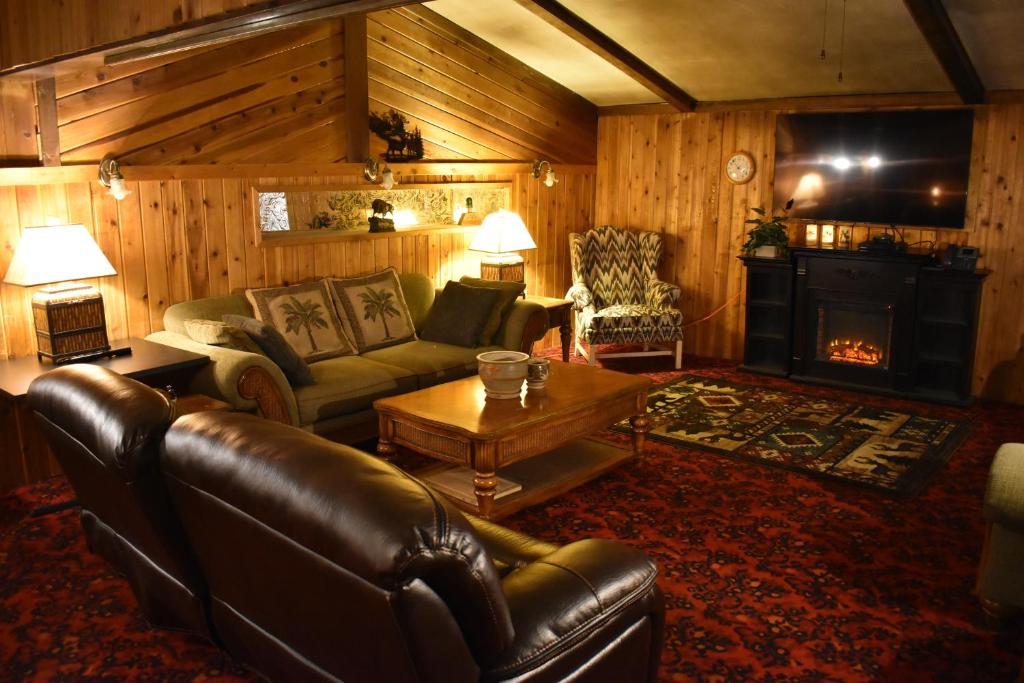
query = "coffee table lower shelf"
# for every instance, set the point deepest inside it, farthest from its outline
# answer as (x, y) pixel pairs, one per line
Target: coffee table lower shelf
(543, 476)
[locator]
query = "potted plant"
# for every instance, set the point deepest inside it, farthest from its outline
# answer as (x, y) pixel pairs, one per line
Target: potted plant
(768, 237)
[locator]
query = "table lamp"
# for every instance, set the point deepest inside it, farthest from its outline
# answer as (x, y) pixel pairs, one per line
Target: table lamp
(69, 319)
(501, 234)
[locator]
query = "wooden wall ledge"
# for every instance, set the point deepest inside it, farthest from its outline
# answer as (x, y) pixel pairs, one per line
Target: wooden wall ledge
(306, 237)
(40, 175)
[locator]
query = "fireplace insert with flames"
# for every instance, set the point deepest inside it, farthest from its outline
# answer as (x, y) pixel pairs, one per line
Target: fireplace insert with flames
(854, 333)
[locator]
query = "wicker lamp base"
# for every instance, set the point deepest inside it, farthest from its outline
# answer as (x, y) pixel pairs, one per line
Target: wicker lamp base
(70, 323)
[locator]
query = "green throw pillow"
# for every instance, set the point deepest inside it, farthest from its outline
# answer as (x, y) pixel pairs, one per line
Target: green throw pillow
(459, 314)
(509, 292)
(217, 333)
(276, 347)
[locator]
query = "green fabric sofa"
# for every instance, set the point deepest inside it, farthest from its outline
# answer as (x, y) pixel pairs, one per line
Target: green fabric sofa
(341, 401)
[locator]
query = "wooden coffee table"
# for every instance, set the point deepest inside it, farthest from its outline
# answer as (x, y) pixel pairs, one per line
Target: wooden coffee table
(457, 424)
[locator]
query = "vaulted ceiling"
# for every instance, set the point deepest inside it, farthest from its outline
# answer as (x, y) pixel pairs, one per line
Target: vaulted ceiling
(754, 49)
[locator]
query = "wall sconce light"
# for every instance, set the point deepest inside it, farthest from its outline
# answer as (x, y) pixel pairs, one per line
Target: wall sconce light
(111, 178)
(373, 172)
(549, 175)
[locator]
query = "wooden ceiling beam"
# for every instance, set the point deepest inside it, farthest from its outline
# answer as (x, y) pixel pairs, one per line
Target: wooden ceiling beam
(357, 90)
(937, 28)
(46, 118)
(252, 21)
(575, 27)
(249, 25)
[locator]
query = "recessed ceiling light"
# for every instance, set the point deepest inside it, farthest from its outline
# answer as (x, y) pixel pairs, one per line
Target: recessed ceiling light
(841, 163)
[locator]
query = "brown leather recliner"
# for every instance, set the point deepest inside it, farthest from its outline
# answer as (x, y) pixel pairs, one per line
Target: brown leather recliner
(105, 431)
(325, 563)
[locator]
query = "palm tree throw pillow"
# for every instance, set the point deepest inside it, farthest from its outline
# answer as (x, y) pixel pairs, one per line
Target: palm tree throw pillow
(304, 316)
(373, 310)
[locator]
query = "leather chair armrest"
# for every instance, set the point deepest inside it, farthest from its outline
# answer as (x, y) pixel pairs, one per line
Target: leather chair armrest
(508, 549)
(223, 378)
(662, 294)
(585, 591)
(1004, 495)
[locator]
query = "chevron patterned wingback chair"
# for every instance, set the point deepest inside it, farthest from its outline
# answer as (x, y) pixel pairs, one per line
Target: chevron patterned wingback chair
(617, 296)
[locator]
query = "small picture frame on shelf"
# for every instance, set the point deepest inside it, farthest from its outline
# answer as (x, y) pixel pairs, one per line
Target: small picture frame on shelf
(811, 235)
(828, 236)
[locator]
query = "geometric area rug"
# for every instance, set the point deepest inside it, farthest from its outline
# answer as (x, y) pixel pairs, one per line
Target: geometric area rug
(892, 451)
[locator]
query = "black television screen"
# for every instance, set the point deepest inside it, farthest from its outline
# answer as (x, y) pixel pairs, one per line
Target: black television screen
(894, 168)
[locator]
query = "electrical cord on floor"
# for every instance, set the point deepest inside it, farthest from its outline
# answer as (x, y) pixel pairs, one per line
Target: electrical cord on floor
(714, 312)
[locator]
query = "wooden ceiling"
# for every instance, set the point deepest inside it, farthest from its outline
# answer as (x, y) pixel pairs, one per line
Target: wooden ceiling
(758, 49)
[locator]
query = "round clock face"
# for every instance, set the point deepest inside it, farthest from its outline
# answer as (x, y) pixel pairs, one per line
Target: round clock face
(740, 167)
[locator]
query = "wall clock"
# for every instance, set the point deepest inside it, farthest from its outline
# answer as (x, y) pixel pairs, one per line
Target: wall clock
(740, 168)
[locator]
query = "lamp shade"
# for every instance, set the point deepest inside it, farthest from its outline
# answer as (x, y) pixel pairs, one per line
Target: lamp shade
(501, 232)
(56, 253)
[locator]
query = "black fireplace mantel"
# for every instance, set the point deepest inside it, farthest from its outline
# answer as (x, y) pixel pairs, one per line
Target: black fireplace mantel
(888, 322)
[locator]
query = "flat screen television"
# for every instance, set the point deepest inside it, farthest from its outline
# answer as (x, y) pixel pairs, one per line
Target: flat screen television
(893, 168)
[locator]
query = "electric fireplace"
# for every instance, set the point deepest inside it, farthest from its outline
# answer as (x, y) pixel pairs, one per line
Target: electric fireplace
(853, 333)
(889, 322)
(854, 320)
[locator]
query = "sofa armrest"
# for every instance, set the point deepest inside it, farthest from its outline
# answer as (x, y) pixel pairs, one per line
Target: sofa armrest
(574, 603)
(525, 323)
(1004, 495)
(248, 381)
(661, 294)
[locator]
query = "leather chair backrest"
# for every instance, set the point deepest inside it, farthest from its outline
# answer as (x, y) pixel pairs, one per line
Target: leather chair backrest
(326, 560)
(615, 263)
(105, 431)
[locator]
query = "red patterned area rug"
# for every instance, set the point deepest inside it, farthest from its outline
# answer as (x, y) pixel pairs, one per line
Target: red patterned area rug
(769, 575)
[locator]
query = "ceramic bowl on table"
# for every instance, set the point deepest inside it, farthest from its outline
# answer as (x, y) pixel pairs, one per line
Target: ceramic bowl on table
(502, 372)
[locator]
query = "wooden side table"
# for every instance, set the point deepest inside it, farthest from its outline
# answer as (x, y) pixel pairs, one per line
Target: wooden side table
(24, 454)
(559, 316)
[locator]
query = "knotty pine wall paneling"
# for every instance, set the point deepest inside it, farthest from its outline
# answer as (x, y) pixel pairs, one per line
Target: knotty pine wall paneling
(34, 30)
(17, 122)
(276, 98)
(664, 173)
(280, 99)
(184, 238)
(469, 100)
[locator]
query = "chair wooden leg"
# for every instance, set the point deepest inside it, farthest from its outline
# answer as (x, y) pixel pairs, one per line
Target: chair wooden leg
(679, 355)
(591, 355)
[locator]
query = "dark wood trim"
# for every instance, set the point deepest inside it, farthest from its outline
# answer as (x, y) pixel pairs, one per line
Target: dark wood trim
(1004, 96)
(83, 173)
(357, 97)
(250, 21)
(937, 28)
(46, 113)
(924, 100)
(585, 34)
(653, 109)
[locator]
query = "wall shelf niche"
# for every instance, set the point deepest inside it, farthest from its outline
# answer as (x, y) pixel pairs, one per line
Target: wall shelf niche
(297, 214)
